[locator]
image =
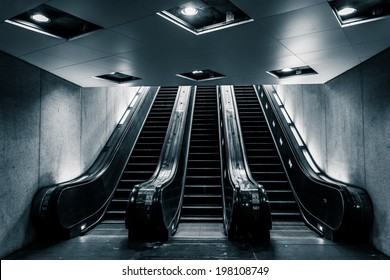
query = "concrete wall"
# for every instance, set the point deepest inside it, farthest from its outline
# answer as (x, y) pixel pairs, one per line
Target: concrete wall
(20, 107)
(50, 131)
(346, 126)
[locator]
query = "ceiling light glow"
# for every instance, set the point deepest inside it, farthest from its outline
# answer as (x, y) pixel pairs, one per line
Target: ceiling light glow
(201, 16)
(346, 11)
(189, 11)
(197, 72)
(287, 70)
(40, 18)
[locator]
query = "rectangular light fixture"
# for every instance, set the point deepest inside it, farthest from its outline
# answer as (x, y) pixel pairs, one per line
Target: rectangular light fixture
(134, 101)
(50, 21)
(358, 12)
(117, 77)
(123, 119)
(201, 16)
(201, 75)
(286, 116)
(297, 137)
(310, 161)
(278, 99)
(292, 72)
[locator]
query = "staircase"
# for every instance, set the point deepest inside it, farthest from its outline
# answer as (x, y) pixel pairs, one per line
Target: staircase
(203, 194)
(262, 156)
(146, 153)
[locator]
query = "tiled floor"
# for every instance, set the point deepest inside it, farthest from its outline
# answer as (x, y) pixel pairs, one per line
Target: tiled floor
(199, 241)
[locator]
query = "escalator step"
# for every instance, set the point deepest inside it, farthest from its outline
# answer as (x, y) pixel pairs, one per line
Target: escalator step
(203, 192)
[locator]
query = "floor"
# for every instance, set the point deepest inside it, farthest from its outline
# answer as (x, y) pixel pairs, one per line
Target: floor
(198, 242)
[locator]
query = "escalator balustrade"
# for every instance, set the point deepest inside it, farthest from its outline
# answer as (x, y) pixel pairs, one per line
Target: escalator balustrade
(145, 156)
(263, 159)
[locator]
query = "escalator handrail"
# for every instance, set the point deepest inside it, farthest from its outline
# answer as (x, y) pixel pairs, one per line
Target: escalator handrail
(246, 191)
(354, 201)
(151, 192)
(46, 214)
(236, 161)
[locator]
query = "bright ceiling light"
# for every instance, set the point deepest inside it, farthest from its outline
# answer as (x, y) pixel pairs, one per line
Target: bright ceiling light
(346, 11)
(189, 11)
(40, 18)
(197, 72)
(287, 70)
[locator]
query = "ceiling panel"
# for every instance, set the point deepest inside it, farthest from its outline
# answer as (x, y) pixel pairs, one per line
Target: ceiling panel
(79, 71)
(270, 64)
(300, 22)
(138, 42)
(370, 31)
(332, 69)
(161, 55)
(329, 56)
(262, 52)
(46, 61)
(109, 42)
(18, 41)
(74, 53)
(274, 7)
(154, 30)
(102, 12)
(114, 64)
(329, 39)
(158, 6)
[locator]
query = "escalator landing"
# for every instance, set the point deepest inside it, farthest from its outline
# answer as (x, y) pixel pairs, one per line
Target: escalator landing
(109, 242)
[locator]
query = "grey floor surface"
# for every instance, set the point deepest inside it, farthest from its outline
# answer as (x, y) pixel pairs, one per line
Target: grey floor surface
(198, 242)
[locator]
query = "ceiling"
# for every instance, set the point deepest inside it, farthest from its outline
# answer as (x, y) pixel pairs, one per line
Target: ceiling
(138, 42)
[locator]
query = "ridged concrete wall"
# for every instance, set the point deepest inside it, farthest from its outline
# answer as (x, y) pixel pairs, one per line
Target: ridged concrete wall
(50, 131)
(346, 126)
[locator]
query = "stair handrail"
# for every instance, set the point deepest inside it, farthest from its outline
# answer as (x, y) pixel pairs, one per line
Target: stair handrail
(333, 209)
(246, 211)
(71, 208)
(154, 206)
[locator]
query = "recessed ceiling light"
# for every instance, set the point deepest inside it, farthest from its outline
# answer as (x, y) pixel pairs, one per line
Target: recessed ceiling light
(360, 12)
(40, 18)
(346, 11)
(53, 22)
(117, 77)
(189, 11)
(201, 75)
(291, 72)
(210, 15)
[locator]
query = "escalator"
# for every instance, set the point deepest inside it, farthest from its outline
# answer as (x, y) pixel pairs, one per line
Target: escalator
(263, 159)
(202, 201)
(145, 156)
